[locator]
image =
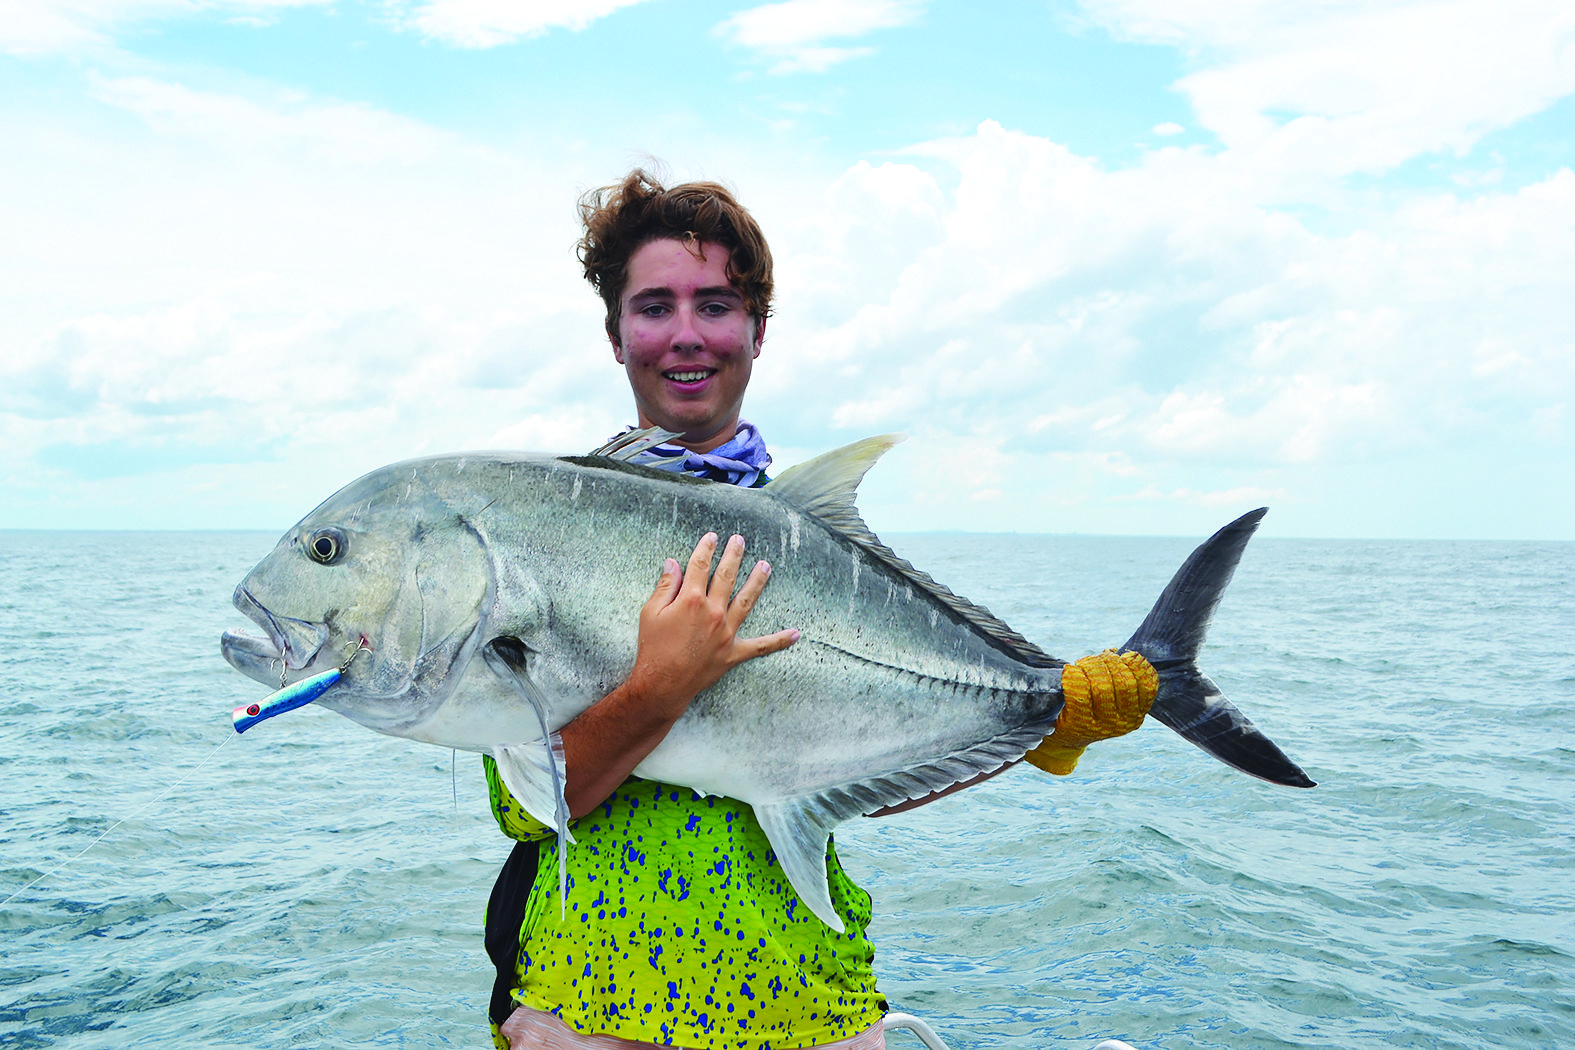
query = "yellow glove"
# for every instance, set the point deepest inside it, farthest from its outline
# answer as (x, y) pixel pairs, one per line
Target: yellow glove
(1106, 695)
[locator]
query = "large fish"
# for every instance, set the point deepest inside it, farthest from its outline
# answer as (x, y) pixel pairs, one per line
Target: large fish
(489, 598)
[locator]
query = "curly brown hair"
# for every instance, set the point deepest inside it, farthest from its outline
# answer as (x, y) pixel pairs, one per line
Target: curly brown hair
(622, 218)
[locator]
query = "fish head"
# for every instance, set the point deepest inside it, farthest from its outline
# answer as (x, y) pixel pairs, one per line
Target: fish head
(386, 580)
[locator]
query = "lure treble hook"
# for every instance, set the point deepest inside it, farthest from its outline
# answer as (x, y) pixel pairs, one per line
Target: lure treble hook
(289, 697)
(355, 649)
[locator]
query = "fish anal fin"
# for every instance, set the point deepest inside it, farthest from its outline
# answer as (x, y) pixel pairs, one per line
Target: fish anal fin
(798, 828)
(799, 841)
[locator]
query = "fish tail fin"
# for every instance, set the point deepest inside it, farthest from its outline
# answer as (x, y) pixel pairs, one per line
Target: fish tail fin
(1170, 637)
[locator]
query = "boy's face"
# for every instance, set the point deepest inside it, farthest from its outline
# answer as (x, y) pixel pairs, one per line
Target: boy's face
(686, 341)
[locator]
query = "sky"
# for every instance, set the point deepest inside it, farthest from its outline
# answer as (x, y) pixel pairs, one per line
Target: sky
(1113, 266)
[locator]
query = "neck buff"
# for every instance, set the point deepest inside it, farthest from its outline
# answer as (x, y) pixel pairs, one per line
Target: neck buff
(742, 461)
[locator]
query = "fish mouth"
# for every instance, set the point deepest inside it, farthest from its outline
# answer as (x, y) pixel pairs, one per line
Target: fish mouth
(294, 643)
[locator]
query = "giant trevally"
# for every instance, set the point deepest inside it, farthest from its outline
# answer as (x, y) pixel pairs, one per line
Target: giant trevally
(489, 598)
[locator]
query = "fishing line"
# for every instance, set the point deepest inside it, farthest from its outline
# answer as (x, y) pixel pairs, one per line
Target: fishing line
(161, 797)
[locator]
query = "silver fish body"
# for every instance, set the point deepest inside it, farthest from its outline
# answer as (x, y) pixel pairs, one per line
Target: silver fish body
(499, 596)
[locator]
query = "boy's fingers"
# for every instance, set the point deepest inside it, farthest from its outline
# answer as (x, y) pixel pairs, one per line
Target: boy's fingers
(727, 567)
(748, 594)
(666, 586)
(698, 575)
(770, 643)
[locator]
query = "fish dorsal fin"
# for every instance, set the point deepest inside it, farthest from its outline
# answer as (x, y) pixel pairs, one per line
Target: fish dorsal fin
(633, 442)
(827, 486)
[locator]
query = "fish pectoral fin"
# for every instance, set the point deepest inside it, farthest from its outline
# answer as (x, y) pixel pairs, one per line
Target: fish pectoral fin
(799, 840)
(542, 794)
(525, 772)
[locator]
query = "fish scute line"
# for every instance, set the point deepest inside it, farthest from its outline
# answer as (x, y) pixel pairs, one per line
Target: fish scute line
(1024, 689)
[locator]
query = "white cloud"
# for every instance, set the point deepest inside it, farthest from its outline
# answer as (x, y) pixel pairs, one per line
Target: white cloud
(1160, 319)
(306, 282)
(33, 27)
(1357, 86)
(338, 132)
(68, 26)
(489, 23)
(276, 281)
(794, 32)
(313, 286)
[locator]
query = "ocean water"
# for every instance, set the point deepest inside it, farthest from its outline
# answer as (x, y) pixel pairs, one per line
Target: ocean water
(313, 884)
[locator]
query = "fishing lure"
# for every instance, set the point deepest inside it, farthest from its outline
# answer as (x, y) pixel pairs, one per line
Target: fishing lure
(290, 697)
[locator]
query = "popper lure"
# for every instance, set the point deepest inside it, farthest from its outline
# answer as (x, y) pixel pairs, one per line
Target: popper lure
(290, 697)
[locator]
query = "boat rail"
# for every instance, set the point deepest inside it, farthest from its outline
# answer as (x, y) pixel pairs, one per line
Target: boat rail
(907, 1022)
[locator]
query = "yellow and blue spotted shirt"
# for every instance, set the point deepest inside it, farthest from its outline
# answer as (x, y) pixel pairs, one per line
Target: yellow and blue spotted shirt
(680, 928)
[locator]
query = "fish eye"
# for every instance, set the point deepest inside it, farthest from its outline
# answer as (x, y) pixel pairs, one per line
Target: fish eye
(326, 546)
